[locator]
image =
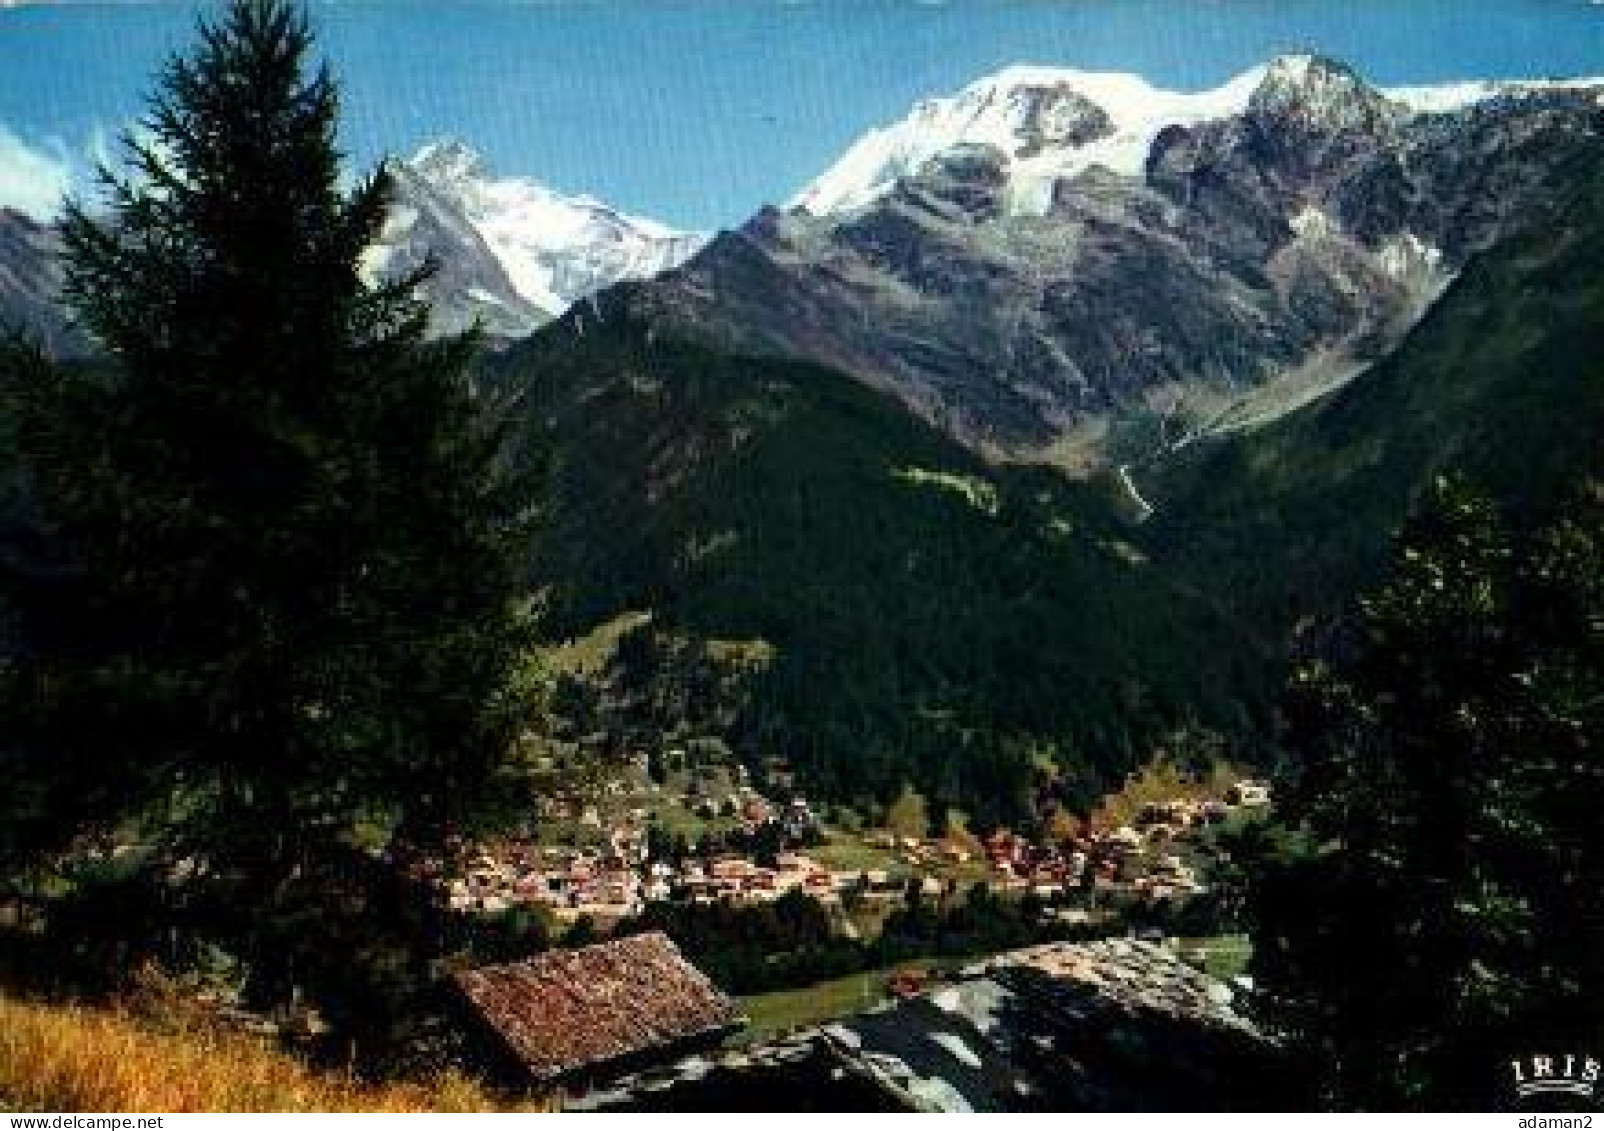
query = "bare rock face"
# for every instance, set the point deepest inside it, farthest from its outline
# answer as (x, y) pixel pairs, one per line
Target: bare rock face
(1083, 268)
(468, 283)
(1060, 115)
(30, 284)
(509, 252)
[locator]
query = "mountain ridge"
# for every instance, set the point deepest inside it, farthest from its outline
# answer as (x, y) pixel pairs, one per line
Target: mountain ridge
(512, 251)
(814, 574)
(1498, 383)
(1079, 319)
(1119, 115)
(910, 612)
(508, 252)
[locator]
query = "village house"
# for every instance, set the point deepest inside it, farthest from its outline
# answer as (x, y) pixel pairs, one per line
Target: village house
(1249, 794)
(1172, 878)
(1123, 841)
(570, 1018)
(1007, 852)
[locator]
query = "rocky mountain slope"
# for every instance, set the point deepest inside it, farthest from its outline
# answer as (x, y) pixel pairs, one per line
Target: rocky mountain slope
(1501, 382)
(30, 282)
(908, 611)
(508, 252)
(1078, 267)
(511, 251)
(810, 572)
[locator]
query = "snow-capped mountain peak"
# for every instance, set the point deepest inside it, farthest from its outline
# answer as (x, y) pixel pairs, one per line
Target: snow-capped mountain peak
(1323, 94)
(1047, 257)
(449, 161)
(1051, 124)
(511, 250)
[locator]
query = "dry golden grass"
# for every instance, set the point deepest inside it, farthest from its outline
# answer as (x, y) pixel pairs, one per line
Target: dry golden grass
(73, 1058)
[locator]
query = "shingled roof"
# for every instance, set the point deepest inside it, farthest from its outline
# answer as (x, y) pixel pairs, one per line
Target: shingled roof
(568, 1011)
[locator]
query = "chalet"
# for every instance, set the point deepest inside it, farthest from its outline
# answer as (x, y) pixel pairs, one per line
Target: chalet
(1174, 876)
(1123, 841)
(1176, 813)
(1249, 794)
(731, 868)
(819, 884)
(1005, 851)
(907, 983)
(1110, 1026)
(572, 1017)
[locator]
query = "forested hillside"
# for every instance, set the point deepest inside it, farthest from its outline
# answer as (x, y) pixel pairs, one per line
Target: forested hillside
(1503, 381)
(917, 615)
(906, 611)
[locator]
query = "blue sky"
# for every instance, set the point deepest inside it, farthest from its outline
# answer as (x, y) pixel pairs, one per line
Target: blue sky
(698, 111)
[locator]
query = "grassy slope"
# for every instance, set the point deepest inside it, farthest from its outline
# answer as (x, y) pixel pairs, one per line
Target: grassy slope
(933, 618)
(1503, 381)
(73, 1058)
(782, 1011)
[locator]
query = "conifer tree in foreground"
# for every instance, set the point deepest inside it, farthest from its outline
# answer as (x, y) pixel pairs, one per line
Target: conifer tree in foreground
(263, 609)
(1446, 915)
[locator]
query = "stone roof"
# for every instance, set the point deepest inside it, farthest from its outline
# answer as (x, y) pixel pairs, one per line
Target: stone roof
(1130, 976)
(1112, 1025)
(567, 1011)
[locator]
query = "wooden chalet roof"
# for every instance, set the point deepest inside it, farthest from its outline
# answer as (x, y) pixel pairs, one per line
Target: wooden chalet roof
(569, 1010)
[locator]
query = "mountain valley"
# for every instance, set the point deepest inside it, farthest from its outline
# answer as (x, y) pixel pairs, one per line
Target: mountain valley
(1246, 321)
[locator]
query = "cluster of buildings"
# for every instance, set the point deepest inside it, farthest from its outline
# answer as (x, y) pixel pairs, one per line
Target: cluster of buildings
(751, 811)
(918, 852)
(569, 883)
(1148, 858)
(618, 877)
(1139, 858)
(515, 871)
(738, 879)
